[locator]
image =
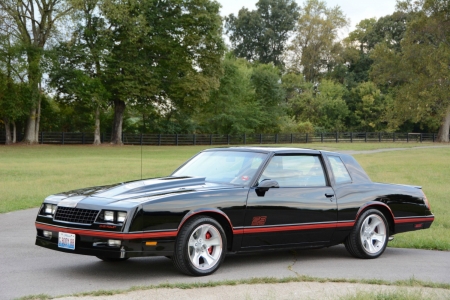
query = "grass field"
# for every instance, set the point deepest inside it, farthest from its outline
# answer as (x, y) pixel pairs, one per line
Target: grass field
(30, 173)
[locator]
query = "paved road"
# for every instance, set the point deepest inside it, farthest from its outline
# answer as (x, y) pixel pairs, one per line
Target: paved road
(26, 269)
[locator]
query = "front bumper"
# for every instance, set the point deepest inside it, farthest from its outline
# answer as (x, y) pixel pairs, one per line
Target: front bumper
(95, 243)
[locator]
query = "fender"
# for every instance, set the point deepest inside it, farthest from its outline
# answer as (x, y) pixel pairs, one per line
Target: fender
(374, 203)
(203, 210)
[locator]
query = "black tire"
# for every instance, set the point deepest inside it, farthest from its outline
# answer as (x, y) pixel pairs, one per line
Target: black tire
(112, 259)
(369, 236)
(198, 256)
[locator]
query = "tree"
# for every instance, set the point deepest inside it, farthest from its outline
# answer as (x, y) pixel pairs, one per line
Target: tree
(321, 105)
(314, 49)
(369, 105)
(33, 25)
(13, 89)
(358, 46)
(232, 109)
(261, 35)
(250, 99)
(270, 95)
(419, 74)
(76, 70)
(164, 54)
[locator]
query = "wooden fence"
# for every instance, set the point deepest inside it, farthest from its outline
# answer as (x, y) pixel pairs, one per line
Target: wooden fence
(227, 139)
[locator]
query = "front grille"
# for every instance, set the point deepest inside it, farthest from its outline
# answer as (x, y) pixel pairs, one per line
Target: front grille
(75, 215)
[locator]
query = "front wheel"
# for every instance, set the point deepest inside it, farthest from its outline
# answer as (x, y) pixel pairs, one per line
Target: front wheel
(369, 236)
(200, 246)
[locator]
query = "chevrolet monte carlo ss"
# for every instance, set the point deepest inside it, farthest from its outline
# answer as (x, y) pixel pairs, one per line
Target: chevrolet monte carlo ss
(231, 200)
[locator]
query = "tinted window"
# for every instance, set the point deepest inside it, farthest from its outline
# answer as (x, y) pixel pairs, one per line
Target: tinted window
(339, 170)
(233, 167)
(295, 171)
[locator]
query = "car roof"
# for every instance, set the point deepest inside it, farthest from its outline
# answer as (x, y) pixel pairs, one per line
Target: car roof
(276, 150)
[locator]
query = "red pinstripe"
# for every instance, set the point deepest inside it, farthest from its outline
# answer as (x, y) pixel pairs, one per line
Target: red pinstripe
(113, 235)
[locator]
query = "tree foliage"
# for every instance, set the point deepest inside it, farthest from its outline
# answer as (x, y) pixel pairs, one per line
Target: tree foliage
(314, 49)
(419, 73)
(32, 24)
(261, 35)
(250, 99)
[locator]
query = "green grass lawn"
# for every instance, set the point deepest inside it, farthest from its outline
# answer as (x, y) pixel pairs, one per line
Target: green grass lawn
(30, 173)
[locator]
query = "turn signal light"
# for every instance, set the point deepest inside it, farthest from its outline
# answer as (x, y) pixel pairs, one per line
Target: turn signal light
(114, 243)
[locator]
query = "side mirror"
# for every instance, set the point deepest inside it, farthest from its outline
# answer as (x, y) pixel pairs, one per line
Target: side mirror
(265, 185)
(268, 183)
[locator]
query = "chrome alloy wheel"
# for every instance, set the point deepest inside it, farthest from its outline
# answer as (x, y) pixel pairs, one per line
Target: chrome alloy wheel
(373, 234)
(205, 247)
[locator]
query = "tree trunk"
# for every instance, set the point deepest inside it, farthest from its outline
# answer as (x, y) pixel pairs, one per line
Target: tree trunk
(38, 117)
(30, 129)
(34, 78)
(444, 129)
(97, 140)
(7, 131)
(119, 108)
(14, 137)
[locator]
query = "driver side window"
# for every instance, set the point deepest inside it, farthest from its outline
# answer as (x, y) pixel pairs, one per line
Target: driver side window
(295, 171)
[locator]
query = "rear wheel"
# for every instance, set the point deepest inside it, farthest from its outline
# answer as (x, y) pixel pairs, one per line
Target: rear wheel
(200, 246)
(369, 236)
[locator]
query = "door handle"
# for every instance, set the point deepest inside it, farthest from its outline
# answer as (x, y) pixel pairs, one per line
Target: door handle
(330, 196)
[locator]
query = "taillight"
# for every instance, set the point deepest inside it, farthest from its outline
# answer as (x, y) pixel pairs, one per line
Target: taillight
(425, 200)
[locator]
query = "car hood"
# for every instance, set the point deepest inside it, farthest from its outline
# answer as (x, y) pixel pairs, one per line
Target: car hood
(134, 191)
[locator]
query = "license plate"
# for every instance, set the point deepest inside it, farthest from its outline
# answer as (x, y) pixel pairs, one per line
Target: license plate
(66, 240)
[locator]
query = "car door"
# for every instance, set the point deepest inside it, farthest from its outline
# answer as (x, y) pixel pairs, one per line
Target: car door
(301, 211)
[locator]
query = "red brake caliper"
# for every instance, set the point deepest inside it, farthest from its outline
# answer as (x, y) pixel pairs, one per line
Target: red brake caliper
(208, 236)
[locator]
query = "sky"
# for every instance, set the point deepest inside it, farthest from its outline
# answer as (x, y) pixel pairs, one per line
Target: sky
(356, 10)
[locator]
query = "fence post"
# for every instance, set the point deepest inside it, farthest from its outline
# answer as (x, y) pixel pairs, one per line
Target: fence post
(307, 138)
(433, 138)
(337, 136)
(276, 138)
(421, 137)
(260, 138)
(292, 138)
(141, 139)
(159, 139)
(195, 142)
(407, 137)
(351, 137)
(82, 138)
(245, 139)
(42, 137)
(393, 137)
(321, 137)
(210, 139)
(379, 137)
(228, 139)
(365, 137)
(176, 138)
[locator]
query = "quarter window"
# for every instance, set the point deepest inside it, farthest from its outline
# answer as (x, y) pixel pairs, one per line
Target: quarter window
(295, 171)
(339, 170)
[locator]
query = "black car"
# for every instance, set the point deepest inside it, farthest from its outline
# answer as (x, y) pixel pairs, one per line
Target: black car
(230, 200)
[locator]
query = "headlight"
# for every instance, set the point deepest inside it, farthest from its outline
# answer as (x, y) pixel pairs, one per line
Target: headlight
(49, 209)
(121, 215)
(111, 216)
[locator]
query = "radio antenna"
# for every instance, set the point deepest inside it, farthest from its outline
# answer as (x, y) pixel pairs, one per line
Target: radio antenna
(141, 156)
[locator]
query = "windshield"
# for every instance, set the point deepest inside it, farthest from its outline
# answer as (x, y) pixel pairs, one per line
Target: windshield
(233, 167)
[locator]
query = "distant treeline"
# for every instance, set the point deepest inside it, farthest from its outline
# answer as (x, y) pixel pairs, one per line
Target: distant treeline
(163, 67)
